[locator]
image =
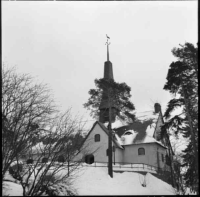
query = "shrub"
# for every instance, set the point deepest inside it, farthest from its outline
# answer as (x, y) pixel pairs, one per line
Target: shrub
(49, 178)
(62, 189)
(44, 160)
(61, 158)
(29, 161)
(15, 170)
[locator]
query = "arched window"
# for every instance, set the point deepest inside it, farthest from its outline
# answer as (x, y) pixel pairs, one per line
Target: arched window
(141, 151)
(97, 138)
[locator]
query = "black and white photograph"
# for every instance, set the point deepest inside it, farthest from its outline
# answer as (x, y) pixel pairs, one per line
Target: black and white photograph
(99, 98)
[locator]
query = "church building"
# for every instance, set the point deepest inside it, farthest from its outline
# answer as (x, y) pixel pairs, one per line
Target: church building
(139, 142)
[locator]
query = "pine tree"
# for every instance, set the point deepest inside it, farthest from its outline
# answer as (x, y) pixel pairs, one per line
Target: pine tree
(182, 82)
(118, 94)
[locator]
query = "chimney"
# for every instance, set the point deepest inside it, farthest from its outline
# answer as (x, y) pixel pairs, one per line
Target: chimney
(157, 107)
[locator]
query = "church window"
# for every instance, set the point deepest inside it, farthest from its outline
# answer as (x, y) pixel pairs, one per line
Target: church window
(128, 133)
(141, 151)
(97, 138)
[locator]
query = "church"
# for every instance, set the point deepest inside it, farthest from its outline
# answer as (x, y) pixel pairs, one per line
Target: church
(139, 142)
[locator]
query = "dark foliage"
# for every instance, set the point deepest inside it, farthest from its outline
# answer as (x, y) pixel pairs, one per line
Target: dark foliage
(182, 82)
(29, 161)
(61, 158)
(44, 160)
(118, 94)
(15, 170)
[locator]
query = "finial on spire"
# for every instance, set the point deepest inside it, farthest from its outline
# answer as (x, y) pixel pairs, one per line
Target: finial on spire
(107, 43)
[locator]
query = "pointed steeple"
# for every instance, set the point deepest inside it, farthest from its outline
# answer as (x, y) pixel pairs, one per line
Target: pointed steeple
(104, 106)
(108, 71)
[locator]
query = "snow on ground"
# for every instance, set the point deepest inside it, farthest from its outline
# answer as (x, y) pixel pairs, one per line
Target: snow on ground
(96, 181)
(12, 189)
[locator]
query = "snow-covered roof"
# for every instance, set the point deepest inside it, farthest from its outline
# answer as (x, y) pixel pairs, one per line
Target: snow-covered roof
(41, 148)
(143, 120)
(148, 115)
(38, 148)
(130, 137)
(140, 131)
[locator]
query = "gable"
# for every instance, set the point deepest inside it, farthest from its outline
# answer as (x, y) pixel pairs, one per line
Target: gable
(99, 128)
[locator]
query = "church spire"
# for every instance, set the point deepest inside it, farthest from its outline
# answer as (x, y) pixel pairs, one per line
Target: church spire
(108, 71)
(104, 105)
(107, 43)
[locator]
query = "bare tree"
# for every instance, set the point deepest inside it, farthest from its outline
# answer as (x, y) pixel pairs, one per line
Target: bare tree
(27, 108)
(49, 169)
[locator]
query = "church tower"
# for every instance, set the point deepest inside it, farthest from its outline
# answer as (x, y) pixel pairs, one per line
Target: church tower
(104, 106)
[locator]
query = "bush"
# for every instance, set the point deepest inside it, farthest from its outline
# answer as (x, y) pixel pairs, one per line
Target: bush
(44, 160)
(29, 161)
(49, 178)
(61, 158)
(51, 188)
(62, 189)
(15, 170)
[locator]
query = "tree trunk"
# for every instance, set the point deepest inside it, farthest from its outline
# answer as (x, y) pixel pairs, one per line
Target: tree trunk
(110, 167)
(171, 164)
(68, 167)
(192, 134)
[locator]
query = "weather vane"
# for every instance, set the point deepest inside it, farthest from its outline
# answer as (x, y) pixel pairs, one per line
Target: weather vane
(107, 43)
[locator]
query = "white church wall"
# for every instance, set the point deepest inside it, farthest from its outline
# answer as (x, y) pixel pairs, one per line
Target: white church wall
(161, 159)
(131, 154)
(118, 155)
(98, 149)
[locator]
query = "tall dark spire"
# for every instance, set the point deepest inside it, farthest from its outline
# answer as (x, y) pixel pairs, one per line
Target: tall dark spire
(108, 71)
(104, 105)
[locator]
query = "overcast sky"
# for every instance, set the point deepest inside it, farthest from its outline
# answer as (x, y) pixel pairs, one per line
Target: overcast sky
(63, 44)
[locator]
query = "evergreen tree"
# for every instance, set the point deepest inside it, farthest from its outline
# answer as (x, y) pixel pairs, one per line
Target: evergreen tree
(117, 93)
(182, 83)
